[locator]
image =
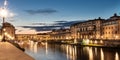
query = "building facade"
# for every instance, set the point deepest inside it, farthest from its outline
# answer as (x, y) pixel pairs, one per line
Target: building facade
(34, 37)
(8, 30)
(97, 29)
(111, 28)
(56, 34)
(60, 34)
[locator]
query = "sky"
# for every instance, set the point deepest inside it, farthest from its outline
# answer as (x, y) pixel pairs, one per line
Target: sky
(32, 16)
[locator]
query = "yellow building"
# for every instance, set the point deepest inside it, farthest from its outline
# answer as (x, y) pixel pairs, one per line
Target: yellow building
(111, 28)
(90, 29)
(34, 37)
(97, 29)
(8, 31)
(60, 34)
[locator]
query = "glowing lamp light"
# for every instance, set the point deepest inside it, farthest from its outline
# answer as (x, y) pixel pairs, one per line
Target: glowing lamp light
(91, 42)
(95, 42)
(102, 37)
(101, 41)
(67, 38)
(3, 12)
(91, 36)
(5, 33)
(4, 29)
(87, 41)
(116, 37)
(0, 37)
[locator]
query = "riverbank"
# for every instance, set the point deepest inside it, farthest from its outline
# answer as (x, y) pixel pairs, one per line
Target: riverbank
(90, 45)
(94, 45)
(10, 52)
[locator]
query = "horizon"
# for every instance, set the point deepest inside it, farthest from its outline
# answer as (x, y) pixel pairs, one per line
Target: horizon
(44, 15)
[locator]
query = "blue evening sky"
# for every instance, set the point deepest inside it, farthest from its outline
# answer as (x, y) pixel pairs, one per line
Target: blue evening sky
(47, 11)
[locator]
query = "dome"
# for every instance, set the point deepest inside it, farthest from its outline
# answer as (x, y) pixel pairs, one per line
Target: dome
(6, 24)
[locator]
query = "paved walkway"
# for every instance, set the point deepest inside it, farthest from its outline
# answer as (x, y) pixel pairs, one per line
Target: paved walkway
(10, 52)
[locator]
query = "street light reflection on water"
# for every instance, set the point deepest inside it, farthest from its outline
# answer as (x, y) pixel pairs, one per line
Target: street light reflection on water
(102, 55)
(45, 51)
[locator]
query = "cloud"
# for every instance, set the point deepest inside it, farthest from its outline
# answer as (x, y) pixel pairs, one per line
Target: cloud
(48, 27)
(60, 21)
(41, 11)
(65, 23)
(42, 24)
(41, 28)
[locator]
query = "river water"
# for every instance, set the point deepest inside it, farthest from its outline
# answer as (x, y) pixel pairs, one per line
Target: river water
(45, 51)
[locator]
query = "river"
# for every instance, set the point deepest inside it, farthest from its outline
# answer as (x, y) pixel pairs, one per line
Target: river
(45, 51)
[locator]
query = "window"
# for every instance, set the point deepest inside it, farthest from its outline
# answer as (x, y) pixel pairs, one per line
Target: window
(106, 32)
(103, 32)
(115, 32)
(111, 27)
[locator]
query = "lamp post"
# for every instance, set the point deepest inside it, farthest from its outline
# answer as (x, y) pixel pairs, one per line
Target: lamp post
(4, 11)
(3, 14)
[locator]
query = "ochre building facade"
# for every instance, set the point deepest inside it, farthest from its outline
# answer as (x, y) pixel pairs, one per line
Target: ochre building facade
(97, 29)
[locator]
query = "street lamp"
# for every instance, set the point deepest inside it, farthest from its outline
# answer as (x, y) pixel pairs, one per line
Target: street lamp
(3, 14)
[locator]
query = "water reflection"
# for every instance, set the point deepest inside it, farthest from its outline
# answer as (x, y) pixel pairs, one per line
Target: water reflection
(102, 54)
(116, 56)
(90, 53)
(46, 48)
(71, 52)
(33, 46)
(45, 51)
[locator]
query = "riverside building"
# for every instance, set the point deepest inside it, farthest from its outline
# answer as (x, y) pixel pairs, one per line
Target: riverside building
(7, 31)
(97, 29)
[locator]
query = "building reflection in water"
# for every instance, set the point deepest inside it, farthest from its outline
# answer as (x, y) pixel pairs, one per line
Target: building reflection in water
(70, 52)
(33, 46)
(116, 56)
(46, 48)
(90, 53)
(96, 51)
(102, 54)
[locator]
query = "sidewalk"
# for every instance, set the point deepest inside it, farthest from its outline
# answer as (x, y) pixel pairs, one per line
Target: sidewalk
(10, 52)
